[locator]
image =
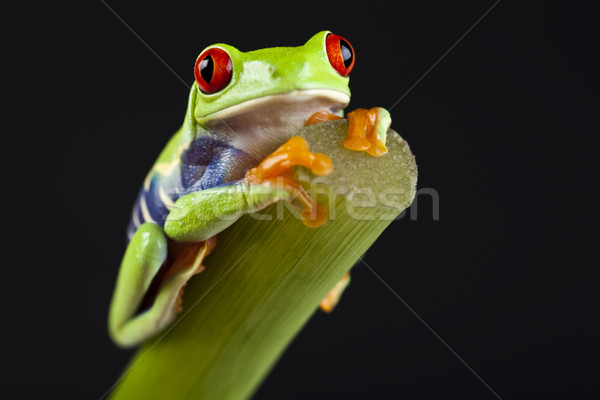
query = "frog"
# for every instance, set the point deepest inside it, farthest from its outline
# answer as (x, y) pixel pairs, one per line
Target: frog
(238, 136)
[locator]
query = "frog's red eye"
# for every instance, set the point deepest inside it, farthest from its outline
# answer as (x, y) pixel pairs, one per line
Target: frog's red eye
(213, 70)
(340, 53)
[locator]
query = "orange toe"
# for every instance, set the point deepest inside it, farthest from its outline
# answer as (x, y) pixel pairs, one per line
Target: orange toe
(278, 168)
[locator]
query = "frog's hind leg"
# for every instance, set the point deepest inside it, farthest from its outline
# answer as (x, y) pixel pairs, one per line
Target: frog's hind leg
(333, 297)
(148, 291)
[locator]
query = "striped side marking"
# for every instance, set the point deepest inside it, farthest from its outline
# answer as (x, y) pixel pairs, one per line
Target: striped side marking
(145, 212)
(135, 215)
(166, 200)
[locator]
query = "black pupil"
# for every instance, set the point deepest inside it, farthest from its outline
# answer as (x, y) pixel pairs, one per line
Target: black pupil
(206, 68)
(346, 53)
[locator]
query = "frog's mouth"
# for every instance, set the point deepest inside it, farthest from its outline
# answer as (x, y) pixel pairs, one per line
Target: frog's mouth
(259, 126)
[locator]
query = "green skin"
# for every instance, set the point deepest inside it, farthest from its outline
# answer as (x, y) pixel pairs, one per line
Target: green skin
(271, 93)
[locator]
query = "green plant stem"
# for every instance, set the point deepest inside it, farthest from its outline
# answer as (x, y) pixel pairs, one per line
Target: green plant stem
(266, 278)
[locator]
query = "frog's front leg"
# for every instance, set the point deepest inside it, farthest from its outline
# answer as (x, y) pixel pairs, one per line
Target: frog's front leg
(147, 270)
(200, 215)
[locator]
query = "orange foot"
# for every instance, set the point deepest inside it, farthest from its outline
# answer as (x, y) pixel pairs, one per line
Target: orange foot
(321, 116)
(189, 263)
(278, 169)
(333, 297)
(366, 129)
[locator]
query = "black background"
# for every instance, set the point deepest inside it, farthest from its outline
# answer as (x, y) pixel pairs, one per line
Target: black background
(501, 127)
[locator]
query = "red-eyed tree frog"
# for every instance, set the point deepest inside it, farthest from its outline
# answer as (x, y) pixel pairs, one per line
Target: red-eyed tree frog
(236, 138)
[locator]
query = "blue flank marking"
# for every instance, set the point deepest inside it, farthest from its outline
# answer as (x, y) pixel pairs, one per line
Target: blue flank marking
(208, 162)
